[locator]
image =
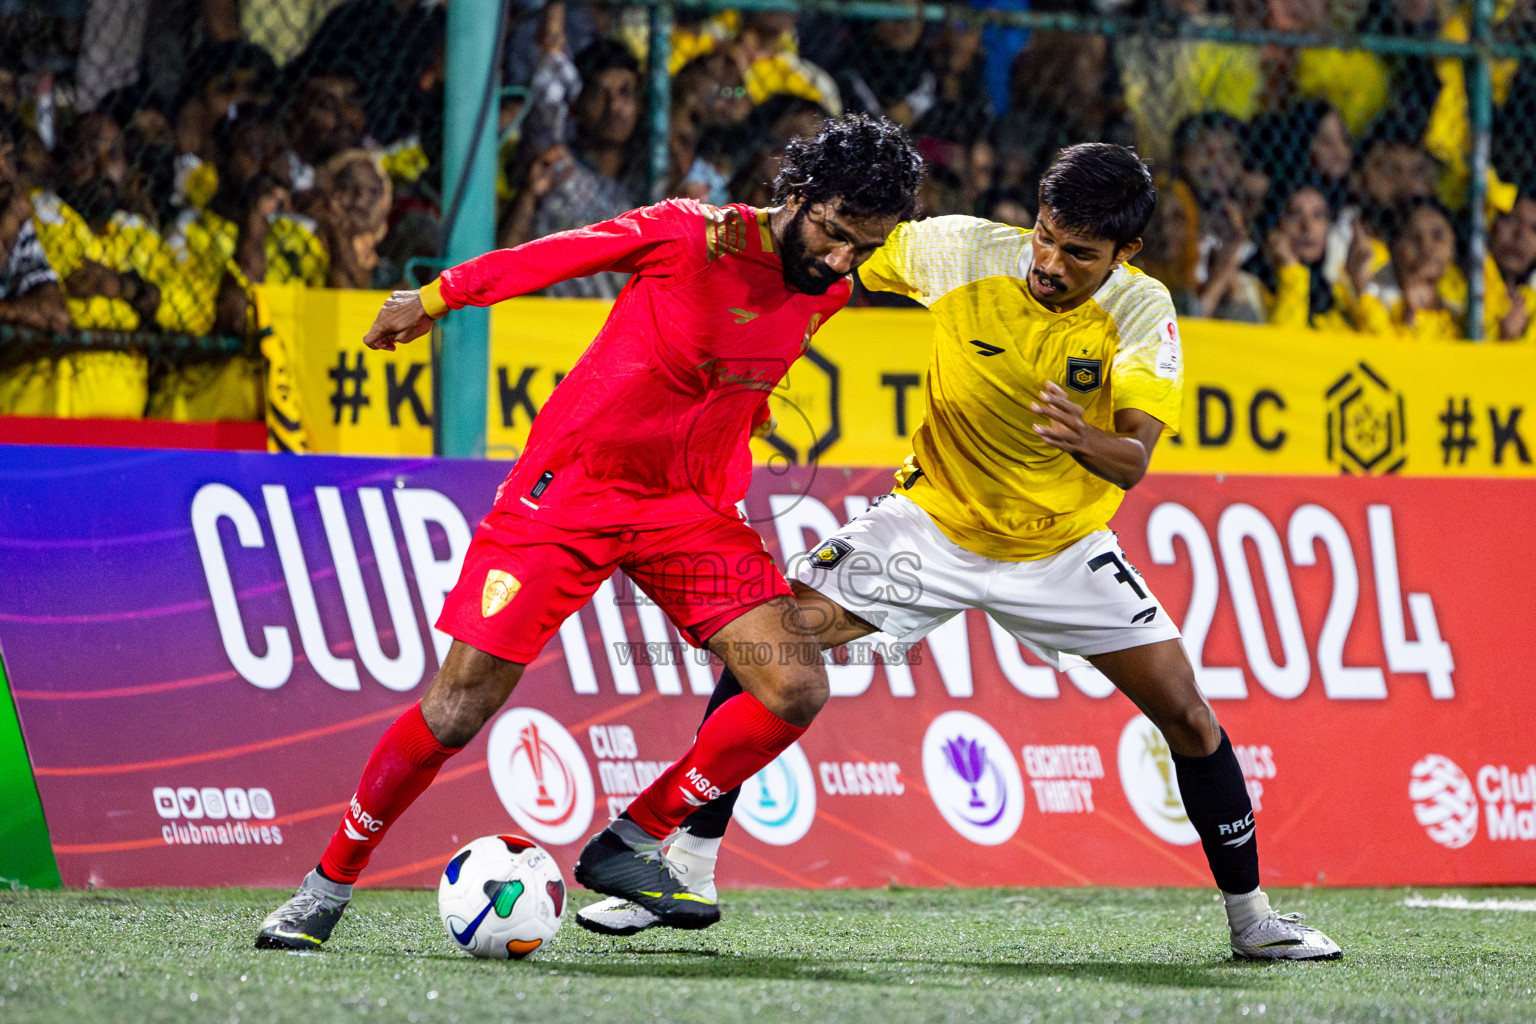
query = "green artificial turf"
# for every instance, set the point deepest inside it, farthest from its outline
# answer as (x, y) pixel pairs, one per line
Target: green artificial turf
(866, 956)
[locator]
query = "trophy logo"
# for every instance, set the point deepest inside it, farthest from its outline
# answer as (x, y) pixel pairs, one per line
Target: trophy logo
(541, 776)
(1151, 784)
(1156, 750)
(972, 778)
(969, 762)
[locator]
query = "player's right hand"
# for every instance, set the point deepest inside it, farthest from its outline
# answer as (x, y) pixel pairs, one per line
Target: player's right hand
(402, 319)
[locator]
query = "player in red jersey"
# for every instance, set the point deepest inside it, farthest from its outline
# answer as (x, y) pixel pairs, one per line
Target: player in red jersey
(637, 462)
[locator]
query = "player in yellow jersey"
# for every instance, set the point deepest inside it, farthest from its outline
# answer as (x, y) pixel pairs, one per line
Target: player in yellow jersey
(1056, 367)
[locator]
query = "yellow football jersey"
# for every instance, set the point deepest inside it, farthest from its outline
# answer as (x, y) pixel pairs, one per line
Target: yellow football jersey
(129, 243)
(992, 484)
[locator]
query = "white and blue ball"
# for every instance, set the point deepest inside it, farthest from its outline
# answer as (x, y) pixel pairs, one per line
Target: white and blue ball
(501, 897)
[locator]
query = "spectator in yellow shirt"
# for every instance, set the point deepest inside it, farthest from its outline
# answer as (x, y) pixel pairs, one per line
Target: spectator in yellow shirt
(110, 262)
(111, 265)
(1295, 239)
(1390, 168)
(1422, 294)
(1512, 243)
(767, 53)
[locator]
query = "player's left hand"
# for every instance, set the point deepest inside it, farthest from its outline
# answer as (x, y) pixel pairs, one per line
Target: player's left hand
(1064, 427)
(401, 320)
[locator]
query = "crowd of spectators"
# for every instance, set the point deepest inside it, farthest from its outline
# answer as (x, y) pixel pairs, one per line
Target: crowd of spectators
(159, 158)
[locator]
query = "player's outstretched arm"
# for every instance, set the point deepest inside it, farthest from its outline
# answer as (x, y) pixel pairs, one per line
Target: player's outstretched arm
(402, 319)
(1120, 457)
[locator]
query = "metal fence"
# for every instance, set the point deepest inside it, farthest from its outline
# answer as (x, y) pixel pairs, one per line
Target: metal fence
(173, 153)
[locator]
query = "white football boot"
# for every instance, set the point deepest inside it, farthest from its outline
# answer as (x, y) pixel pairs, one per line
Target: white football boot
(1283, 937)
(691, 859)
(614, 916)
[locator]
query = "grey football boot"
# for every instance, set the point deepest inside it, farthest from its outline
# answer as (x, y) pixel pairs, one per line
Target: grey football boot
(307, 919)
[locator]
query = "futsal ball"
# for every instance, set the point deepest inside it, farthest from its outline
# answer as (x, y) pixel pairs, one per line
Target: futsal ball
(501, 897)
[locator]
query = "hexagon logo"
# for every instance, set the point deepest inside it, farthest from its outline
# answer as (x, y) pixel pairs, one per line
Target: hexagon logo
(1367, 427)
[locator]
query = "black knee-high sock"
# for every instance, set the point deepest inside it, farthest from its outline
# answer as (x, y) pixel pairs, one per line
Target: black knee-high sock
(1216, 800)
(710, 821)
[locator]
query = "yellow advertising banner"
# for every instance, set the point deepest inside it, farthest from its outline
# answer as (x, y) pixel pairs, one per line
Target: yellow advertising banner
(351, 399)
(1256, 399)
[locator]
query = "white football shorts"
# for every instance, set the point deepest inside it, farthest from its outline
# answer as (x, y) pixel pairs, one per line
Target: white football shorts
(893, 568)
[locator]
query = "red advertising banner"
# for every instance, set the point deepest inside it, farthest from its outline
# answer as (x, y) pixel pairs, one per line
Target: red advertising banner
(202, 665)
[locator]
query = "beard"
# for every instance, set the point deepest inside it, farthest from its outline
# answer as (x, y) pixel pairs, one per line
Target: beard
(802, 272)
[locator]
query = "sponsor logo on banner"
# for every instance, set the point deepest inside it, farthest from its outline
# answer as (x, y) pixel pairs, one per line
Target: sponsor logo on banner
(778, 804)
(1446, 803)
(972, 778)
(214, 816)
(1510, 796)
(541, 776)
(1147, 775)
(622, 774)
(1443, 801)
(861, 778)
(1061, 777)
(1258, 764)
(1366, 423)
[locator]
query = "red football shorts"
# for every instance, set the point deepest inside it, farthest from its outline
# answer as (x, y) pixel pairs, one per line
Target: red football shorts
(522, 579)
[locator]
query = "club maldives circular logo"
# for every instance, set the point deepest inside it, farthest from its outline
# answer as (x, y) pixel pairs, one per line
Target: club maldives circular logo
(972, 777)
(1443, 801)
(541, 776)
(778, 804)
(1151, 785)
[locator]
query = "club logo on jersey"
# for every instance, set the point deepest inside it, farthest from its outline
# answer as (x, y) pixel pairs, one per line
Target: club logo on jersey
(1443, 801)
(541, 776)
(500, 588)
(778, 804)
(1150, 783)
(743, 316)
(830, 553)
(972, 778)
(1084, 375)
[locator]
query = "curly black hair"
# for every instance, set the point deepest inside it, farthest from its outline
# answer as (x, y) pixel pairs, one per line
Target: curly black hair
(867, 165)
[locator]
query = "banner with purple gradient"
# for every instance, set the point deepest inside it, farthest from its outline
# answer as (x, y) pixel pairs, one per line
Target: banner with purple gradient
(203, 648)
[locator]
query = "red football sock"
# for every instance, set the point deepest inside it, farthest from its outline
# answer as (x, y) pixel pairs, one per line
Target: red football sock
(401, 767)
(736, 742)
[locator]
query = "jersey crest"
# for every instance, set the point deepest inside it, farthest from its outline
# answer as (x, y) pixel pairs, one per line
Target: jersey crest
(1084, 375)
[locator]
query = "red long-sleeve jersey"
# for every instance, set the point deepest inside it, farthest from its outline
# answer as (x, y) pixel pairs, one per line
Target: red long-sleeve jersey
(650, 426)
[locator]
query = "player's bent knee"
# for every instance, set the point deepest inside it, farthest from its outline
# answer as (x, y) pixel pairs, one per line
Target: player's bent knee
(798, 696)
(469, 688)
(1190, 728)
